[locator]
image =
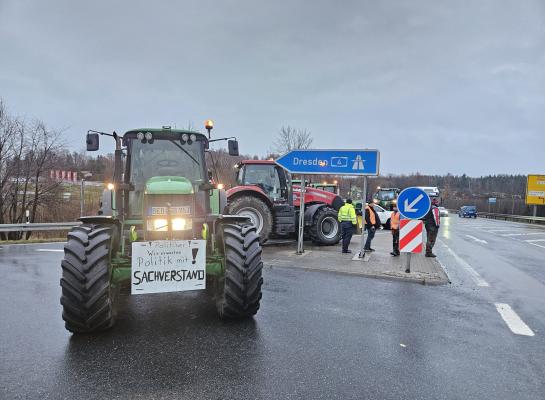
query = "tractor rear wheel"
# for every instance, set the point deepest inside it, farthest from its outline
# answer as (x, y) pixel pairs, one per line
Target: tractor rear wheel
(239, 291)
(325, 229)
(87, 296)
(257, 210)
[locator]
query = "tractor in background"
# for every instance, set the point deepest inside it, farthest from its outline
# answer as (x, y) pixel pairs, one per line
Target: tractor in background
(386, 197)
(160, 229)
(265, 194)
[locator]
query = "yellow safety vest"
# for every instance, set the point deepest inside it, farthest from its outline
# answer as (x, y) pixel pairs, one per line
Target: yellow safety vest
(347, 213)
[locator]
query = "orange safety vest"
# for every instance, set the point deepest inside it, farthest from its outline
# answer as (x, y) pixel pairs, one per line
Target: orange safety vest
(394, 220)
(371, 215)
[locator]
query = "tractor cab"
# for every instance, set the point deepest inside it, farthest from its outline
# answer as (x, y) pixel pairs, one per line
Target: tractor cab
(165, 174)
(268, 176)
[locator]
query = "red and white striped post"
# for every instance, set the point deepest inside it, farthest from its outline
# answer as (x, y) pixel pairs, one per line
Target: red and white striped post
(410, 238)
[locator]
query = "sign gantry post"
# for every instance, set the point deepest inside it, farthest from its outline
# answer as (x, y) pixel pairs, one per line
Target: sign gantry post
(301, 230)
(363, 162)
(363, 205)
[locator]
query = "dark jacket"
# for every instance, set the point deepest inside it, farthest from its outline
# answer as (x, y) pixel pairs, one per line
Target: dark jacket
(429, 220)
(368, 224)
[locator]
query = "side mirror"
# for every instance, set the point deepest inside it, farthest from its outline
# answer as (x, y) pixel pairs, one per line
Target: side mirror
(92, 142)
(233, 147)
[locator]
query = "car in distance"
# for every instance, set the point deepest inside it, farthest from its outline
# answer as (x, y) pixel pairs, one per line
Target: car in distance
(383, 215)
(467, 212)
(443, 212)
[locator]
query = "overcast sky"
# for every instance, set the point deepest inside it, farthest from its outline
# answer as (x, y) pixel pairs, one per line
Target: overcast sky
(436, 86)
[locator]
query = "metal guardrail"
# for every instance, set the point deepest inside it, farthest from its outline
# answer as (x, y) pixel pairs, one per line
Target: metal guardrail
(514, 218)
(51, 226)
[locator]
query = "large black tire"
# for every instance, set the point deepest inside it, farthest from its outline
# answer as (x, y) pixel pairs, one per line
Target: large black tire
(239, 291)
(257, 210)
(325, 229)
(87, 296)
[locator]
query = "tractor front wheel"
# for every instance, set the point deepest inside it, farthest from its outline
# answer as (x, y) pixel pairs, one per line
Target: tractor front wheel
(325, 229)
(239, 291)
(87, 296)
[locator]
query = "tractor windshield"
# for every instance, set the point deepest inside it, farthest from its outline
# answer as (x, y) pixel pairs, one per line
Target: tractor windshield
(163, 157)
(264, 176)
(384, 195)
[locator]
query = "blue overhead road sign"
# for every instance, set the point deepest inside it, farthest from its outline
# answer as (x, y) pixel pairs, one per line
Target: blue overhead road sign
(331, 162)
(413, 203)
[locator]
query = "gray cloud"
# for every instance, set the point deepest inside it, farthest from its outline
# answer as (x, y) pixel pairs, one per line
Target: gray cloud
(436, 86)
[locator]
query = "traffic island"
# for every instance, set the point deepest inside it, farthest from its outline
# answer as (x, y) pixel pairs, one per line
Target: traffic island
(378, 264)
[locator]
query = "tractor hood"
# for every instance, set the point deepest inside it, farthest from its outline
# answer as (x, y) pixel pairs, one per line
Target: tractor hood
(313, 195)
(169, 185)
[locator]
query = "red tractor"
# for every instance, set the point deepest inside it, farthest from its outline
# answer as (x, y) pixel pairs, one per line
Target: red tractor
(266, 195)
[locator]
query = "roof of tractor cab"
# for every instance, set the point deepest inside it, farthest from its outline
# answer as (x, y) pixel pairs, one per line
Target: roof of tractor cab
(165, 130)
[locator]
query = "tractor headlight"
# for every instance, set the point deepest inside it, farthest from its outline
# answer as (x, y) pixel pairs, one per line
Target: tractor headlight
(185, 137)
(158, 224)
(149, 136)
(140, 135)
(179, 224)
(193, 137)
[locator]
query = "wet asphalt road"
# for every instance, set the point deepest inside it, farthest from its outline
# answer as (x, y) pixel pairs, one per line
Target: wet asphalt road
(317, 336)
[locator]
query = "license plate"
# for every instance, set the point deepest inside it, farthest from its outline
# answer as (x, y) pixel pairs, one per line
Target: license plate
(168, 266)
(173, 210)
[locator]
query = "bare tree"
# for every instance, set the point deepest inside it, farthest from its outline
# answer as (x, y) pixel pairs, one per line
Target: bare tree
(289, 139)
(27, 152)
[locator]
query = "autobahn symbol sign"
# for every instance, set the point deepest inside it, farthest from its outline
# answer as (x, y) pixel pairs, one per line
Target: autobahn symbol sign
(410, 236)
(331, 162)
(413, 203)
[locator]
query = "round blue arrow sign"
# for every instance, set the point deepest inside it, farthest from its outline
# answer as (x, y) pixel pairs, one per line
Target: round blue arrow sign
(413, 203)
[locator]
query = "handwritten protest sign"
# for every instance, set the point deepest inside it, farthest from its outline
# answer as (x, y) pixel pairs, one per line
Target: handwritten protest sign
(168, 266)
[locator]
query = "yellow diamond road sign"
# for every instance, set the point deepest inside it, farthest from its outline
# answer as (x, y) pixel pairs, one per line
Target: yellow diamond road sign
(535, 189)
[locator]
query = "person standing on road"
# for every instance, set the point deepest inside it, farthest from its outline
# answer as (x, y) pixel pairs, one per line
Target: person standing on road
(431, 222)
(372, 223)
(394, 226)
(347, 218)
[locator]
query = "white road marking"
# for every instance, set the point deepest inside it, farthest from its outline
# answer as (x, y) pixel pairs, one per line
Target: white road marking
(513, 321)
(51, 250)
(474, 274)
(538, 245)
(523, 234)
(534, 240)
(476, 239)
(498, 230)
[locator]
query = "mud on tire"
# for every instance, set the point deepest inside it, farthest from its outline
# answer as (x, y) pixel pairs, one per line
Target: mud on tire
(239, 291)
(87, 297)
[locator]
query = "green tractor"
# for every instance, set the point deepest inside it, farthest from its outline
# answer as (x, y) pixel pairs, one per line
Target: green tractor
(160, 229)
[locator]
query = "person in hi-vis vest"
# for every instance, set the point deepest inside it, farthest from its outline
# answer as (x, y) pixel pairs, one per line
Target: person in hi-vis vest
(372, 223)
(394, 226)
(432, 221)
(347, 218)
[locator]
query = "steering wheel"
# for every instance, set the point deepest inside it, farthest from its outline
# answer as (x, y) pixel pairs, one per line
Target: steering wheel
(168, 163)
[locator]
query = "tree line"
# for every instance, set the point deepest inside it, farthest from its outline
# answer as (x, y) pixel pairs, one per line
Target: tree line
(30, 150)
